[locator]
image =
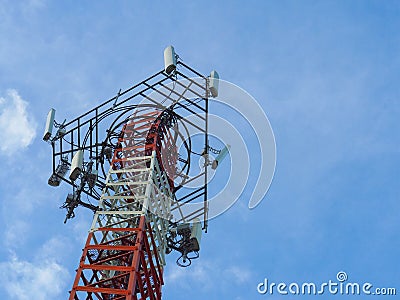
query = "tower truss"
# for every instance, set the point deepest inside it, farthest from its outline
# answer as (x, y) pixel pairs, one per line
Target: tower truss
(124, 254)
(132, 154)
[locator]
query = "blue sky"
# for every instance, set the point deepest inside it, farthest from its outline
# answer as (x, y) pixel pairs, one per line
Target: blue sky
(325, 72)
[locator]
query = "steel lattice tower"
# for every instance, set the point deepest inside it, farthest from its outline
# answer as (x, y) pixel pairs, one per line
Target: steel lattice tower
(142, 137)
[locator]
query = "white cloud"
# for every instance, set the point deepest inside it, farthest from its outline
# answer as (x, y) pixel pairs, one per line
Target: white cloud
(35, 4)
(57, 249)
(15, 233)
(239, 275)
(176, 273)
(208, 274)
(18, 208)
(198, 273)
(21, 279)
(80, 227)
(17, 127)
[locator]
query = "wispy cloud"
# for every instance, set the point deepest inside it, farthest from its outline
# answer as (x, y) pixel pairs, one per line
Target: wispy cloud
(44, 278)
(41, 273)
(198, 273)
(17, 127)
(14, 232)
(239, 275)
(207, 275)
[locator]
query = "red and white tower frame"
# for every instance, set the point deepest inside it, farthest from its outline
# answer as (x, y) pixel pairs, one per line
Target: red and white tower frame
(126, 153)
(124, 255)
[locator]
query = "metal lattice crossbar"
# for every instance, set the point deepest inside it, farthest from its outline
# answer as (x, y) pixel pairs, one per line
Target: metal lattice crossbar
(94, 131)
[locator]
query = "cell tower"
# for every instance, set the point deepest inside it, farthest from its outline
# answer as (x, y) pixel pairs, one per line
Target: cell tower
(132, 155)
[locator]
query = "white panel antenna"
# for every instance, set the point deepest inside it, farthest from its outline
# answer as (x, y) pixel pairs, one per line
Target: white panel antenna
(195, 235)
(169, 60)
(214, 83)
(49, 124)
(220, 157)
(76, 165)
